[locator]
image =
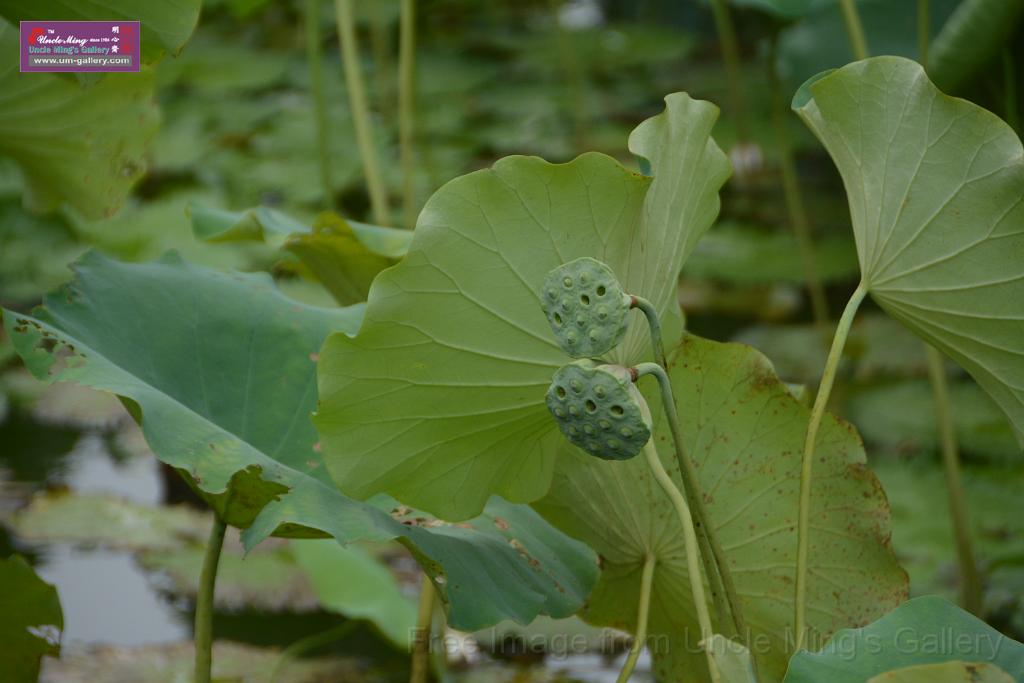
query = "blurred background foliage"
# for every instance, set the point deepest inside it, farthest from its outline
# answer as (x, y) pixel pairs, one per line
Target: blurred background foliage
(226, 123)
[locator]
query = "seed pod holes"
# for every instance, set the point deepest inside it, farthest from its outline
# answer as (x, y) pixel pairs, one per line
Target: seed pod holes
(599, 410)
(586, 306)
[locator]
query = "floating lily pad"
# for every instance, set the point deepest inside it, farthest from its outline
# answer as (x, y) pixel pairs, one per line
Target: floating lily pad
(31, 621)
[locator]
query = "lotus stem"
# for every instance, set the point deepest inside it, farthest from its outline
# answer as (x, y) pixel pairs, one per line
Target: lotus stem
(422, 636)
(361, 111)
(406, 108)
(970, 581)
(854, 29)
(314, 55)
(817, 413)
(643, 610)
(654, 323)
(715, 561)
(203, 634)
(733, 65)
(795, 204)
(693, 568)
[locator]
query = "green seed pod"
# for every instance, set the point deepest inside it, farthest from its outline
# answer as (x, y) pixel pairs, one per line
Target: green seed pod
(599, 409)
(586, 306)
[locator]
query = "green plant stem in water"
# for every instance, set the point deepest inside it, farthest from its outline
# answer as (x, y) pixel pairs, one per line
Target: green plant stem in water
(733, 66)
(361, 111)
(407, 107)
(203, 634)
(923, 31)
(692, 553)
(970, 581)
(643, 610)
(421, 638)
(817, 413)
(715, 561)
(795, 203)
(314, 55)
(309, 643)
(854, 29)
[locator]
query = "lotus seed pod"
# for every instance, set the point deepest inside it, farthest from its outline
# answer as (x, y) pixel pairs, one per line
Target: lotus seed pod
(586, 306)
(599, 409)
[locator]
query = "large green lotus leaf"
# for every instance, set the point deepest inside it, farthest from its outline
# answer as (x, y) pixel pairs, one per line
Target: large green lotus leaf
(936, 192)
(926, 630)
(83, 146)
(166, 24)
(439, 400)
(745, 432)
(540, 570)
(219, 369)
(31, 621)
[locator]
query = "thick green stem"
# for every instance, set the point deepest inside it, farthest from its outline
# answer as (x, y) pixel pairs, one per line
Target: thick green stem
(795, 203)
(421, 638)
(717, 564)
(970, 581)
(643, 609)
(733, 66)
(817, 413)
(654, 323)
(309, 643)
(314, 55)
(692, 553)
(923, 31)
(203, 634)
(407, 107)
(854, 29)
(361, 111)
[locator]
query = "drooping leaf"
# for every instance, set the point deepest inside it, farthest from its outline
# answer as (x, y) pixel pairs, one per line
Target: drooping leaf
(83, 146)
(166, 24)
(745, 432)
(925, 630)
(439, 399)
(540, 570)
(343, 255)
(219, 369)
(972, 36)
(31, 621)
(936, 192)
(946, 672)
(352, 582)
